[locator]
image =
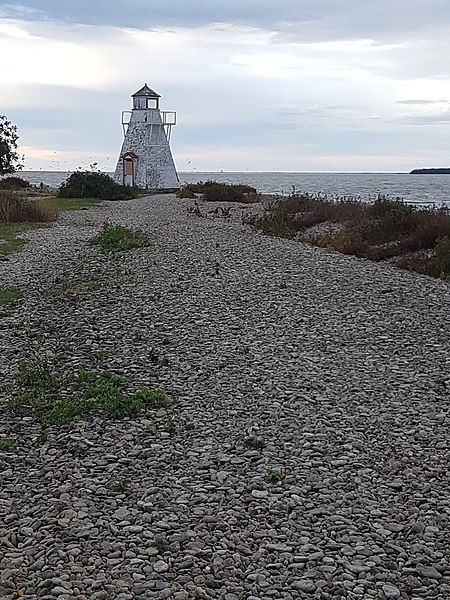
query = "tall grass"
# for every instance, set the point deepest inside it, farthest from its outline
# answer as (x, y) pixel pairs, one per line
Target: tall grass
(17, 209)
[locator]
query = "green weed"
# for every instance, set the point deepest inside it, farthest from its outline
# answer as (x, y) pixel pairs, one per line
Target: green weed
(119, 238)
(170, 425)
(254, 443)
(153, 356)
(78, 451)
(119, 488)
(59, 401)
(10, 296)
(8, 445)
(274, 478)
(161, 545)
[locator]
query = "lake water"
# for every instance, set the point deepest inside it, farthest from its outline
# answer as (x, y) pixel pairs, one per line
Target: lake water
(421, 189)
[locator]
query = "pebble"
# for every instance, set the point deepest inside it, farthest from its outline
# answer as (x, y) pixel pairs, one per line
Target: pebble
(258, 337)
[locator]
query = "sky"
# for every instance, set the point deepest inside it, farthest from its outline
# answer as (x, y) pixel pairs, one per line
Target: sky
(258, 85)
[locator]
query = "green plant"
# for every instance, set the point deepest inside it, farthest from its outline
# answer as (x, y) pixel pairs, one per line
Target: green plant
(164, 362)
(119, 238)
(274, 478)
(8, 445)
(94, 184)
(161, 545)
(10, 161)
(97, 355)
(254, 443)
(10, 296)
(441, 262)
(58, 401)
(120, 487)
(78, 451)
(153, 355)
(170, 425)
(143, 455)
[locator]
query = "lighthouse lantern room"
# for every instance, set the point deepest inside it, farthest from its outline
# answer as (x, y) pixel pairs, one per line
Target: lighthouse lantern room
(145, 159)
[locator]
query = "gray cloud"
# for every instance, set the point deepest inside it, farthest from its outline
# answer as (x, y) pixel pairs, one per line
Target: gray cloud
(307, 20)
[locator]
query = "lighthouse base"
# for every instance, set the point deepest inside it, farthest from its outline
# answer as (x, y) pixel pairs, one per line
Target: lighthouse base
(152, 169)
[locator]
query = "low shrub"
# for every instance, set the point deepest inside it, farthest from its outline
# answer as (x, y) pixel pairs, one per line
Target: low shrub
(94, 184)
(383, 230)
(224, 192)
(437, 264)
(14, 183)
(347, 241)
(17, 209)
(185, 192)
(275, 222)
(119, 238)
(441, 262)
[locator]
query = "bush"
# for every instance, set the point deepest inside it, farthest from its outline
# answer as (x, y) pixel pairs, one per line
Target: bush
(16, 209)
(383, 207)
(14, 183)
(94, 184)
(224, 192)
(441, 262)
(185, 192)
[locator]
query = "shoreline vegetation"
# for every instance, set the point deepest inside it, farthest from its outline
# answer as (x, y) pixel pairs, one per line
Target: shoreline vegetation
(391, 231)
(441, 171)
(386, 230)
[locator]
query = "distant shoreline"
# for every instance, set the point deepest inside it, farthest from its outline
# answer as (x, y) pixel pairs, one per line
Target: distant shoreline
(430, 172)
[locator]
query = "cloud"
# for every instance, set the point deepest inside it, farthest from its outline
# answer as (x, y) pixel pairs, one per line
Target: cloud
(252, 83)
(422, 102)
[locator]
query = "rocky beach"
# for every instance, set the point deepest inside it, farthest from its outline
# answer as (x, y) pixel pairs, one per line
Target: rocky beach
(303, 450)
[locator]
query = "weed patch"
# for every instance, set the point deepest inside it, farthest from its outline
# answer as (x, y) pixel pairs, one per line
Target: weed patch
(10, 296)
(274, 478)
(8, 445)
(119, 487)
(59, 401)
(254, 443)
(119, 238)
(78, 451)
(161, 545)
(170, 425)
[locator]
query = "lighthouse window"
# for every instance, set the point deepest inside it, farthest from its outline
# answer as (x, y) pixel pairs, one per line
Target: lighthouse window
(152, 102)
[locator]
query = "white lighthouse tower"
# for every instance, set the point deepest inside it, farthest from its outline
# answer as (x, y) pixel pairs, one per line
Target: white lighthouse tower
(145, 160)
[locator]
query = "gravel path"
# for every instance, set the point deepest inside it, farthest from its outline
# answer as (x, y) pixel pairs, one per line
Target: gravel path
(337, 364)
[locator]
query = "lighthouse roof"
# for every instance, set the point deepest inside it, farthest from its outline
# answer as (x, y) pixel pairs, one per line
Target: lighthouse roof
(146, 91)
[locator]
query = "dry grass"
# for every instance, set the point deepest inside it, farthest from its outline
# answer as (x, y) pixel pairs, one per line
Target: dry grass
(17, 209)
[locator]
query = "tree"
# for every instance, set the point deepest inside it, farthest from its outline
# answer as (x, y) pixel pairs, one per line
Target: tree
(10, 161)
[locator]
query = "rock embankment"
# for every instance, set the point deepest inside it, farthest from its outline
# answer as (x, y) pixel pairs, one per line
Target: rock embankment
(303, 452)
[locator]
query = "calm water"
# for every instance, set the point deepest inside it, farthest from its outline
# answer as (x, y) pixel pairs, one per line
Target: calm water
(433, 189)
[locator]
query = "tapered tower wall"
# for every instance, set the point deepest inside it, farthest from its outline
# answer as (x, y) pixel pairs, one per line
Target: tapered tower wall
(147, 147)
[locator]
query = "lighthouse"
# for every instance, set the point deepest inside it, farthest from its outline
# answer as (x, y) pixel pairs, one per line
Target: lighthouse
(145, 160)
